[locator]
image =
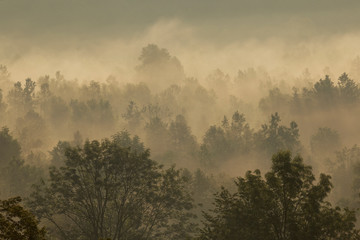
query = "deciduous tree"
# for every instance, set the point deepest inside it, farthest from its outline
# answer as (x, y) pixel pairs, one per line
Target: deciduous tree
(287, 204)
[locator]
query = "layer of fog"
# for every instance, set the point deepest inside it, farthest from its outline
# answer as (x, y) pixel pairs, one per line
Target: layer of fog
(88, 59)
(286, 60)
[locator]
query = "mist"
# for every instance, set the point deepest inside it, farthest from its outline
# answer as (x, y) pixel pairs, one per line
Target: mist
(192, 97)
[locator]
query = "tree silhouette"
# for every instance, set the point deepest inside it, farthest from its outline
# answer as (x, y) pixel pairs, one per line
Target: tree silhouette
(287, 204)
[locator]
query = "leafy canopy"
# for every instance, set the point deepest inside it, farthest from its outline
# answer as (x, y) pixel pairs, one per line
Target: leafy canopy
(109, 191)
(287, 204)
(17, 222)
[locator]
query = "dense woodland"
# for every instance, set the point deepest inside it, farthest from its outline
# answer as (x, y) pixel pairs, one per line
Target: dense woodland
(167, 156)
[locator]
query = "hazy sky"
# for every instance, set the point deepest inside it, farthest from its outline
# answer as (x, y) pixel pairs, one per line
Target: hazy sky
(231, 18)
(51, 29)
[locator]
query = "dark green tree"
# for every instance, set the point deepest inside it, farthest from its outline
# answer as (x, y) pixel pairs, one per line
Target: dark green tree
(158, 139)
(231, 139)
(17, 222)
(16, 177)
(105, 191)
(9, 147)
(53, 108)
(276, 101)
(22, 98)
(325, 93)
(124, 140)
(348, 89)
(3, 106)
(32, 131)
(285, 205)
(183, 142)
(273, 137)
(239, 134)
(345, 170)
(215, 147)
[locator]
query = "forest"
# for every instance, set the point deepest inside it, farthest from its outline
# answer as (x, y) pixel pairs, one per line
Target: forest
(168, 156)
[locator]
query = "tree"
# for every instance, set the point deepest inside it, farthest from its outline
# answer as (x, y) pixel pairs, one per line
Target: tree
(349, 90)
(157, 137)
(159, 68)
(53, 108)
(17, 222)
(16, 177)
(275, 101)
(214, 147)
(9, 147)
(219, 81)
(345, 170)
(274, 137)
(3, 106)
(325, 92)
(107, 191)
(4, 77)
(133, 144)
(183, 142)
(133, 116)
(32, 131)
(22, 99)
(239, 133)
(92, 116)
(232, 139)
(287, 204)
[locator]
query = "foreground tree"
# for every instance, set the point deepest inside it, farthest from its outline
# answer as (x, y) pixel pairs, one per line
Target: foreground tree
(106, 191)
(18, 223)
(287, 204)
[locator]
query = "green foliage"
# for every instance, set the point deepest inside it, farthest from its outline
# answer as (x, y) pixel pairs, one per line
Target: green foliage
(324, 95)
(287, 204)
(229, 140)
(124, 140)
(92, 112)
(106, 190)
(54, 108)
(182, 142)
(349, 90)
(275, 101)
(133, 116)
(17, 222)
(31, 130)
(3, 106)
(57, 154)
(325, 92)
(214, 146)
(22, 98)
(239, 133)
(157, 136)
(9, 147)
(16, 177)
(203, 186)
(274, 137)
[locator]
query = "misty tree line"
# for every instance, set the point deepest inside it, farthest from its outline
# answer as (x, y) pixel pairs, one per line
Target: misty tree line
(123, 188)
(111, 189)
